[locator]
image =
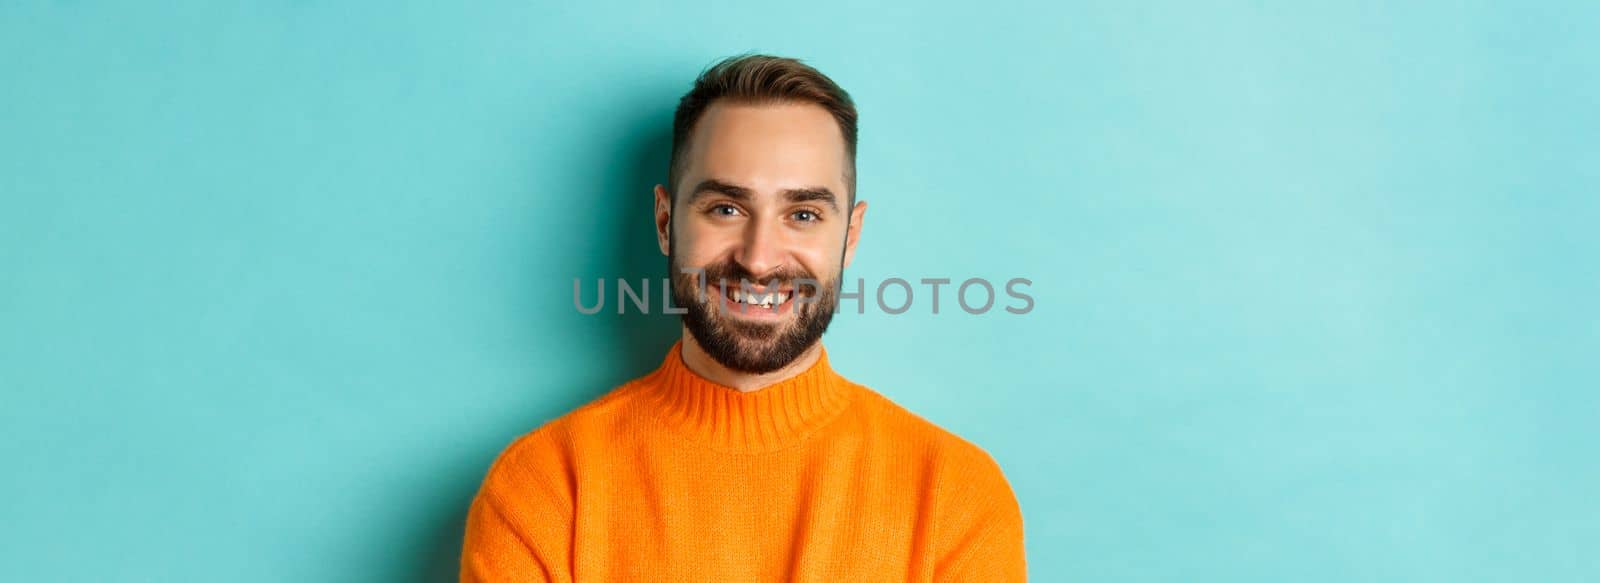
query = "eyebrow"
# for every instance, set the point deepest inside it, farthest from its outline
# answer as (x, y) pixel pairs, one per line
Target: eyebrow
(813, 194)
(742, 194)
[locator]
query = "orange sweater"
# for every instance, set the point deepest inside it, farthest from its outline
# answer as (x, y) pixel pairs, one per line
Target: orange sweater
(671, 477)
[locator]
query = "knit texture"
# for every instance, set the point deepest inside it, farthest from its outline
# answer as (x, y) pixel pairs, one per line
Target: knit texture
(672, 477)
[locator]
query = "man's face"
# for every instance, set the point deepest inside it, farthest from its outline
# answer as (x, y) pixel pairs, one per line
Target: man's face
(761, 208)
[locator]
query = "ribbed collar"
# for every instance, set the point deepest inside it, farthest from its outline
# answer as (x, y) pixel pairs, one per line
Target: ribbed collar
(761, 420)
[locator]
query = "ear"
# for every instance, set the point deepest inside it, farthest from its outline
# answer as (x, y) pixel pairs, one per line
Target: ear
(858, 215)
(663, 219)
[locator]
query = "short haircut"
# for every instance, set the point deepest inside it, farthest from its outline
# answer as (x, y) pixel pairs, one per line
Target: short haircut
(761, 79)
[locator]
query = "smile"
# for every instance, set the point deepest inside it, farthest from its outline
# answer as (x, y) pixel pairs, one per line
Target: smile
(760, 304)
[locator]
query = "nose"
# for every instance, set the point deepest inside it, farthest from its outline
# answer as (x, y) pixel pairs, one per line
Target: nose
(761, 251)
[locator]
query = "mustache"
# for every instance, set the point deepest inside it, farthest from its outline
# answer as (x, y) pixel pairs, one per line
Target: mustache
(731, 272)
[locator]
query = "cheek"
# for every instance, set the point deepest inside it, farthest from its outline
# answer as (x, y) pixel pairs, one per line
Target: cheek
(818, 251)
(822, 262)
(699, 246)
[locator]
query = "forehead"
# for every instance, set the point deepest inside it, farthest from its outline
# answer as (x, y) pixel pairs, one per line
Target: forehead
(768, 147)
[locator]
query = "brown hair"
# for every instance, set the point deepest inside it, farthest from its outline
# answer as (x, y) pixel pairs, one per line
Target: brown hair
(758, 79)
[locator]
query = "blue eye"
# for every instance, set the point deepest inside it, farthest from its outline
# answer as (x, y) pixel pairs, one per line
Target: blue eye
(724, 210)
(806, 216)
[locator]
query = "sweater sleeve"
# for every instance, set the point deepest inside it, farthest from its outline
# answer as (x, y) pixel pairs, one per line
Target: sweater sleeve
(517, 527)
(984, 530)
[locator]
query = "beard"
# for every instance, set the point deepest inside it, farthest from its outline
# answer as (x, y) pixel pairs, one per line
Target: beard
(750, 346)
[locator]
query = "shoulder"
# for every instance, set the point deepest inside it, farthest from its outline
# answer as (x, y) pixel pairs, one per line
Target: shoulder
(976, 511)
(946, 451)
(542, 458)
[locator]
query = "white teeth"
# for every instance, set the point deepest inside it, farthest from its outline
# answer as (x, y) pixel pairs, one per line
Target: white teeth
(765, 300)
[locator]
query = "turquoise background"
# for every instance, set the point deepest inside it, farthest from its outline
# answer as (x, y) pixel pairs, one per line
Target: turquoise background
(1316, 284)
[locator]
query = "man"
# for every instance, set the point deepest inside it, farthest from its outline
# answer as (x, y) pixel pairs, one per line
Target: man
(745, 456)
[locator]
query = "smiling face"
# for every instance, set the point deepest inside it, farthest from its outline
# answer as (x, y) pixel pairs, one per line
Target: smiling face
(760, 231)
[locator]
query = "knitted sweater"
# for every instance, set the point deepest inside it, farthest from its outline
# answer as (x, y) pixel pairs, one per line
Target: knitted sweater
(672, 477)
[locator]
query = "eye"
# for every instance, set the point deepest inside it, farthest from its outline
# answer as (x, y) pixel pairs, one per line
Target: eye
(806, 216)
(724, 210)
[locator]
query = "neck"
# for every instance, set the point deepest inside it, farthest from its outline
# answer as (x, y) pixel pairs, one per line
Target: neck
(701, 363)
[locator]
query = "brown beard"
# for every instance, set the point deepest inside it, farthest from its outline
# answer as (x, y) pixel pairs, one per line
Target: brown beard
(752, 347)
